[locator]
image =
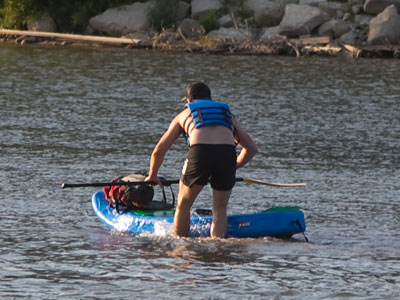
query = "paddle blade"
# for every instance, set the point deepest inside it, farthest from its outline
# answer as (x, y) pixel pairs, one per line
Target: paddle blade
(248, 180)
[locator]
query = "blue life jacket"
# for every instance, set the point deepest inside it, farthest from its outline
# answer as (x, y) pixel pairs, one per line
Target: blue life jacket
(209, 112)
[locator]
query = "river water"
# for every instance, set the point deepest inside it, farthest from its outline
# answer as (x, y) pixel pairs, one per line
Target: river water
(83, 115)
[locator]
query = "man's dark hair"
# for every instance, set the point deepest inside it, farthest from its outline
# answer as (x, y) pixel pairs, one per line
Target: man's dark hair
(198, 90)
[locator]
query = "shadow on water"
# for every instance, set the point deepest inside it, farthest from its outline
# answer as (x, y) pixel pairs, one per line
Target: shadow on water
(192, 250)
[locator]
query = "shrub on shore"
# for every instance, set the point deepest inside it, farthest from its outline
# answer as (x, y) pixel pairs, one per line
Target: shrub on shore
(13, 13)
(209, 22)
(163, 14)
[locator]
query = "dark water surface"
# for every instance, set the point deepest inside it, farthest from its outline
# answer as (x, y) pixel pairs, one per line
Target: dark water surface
(83, 115)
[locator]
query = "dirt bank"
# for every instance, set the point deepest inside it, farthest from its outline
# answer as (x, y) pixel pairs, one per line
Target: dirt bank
(172, 41)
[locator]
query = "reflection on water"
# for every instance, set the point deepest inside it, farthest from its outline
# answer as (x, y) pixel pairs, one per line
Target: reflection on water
(84, 115)
(210, 251)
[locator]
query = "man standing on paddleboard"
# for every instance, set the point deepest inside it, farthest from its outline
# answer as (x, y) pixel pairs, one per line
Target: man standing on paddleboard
(212, 134)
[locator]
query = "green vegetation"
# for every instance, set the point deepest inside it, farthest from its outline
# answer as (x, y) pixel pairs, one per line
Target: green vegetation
(163, 14)
(70, 16)
(73, 15)
(13, 13)
(209, 22)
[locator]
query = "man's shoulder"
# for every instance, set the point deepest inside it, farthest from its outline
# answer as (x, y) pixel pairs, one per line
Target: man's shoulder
(182, 116)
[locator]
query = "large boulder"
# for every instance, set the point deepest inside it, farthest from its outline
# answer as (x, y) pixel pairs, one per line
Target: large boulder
(191, 29)
(183, 10)
(251, 6)
(362, 19)
(203, 7)
(42, 23)
(385, 27)
(267, 13)
(375, 7)
(123, 20)
(334, 28)
(301, 20)
(334, 9)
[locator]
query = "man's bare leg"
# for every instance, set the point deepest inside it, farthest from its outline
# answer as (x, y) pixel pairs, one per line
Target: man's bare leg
(186, 197)
(220, 217)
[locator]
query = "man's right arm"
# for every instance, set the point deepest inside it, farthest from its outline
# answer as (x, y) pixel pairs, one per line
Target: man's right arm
(164, 144)
(249, 148)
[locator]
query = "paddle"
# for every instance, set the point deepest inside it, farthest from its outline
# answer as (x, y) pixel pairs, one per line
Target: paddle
(248, 180)
(169, 182)
(119, 183)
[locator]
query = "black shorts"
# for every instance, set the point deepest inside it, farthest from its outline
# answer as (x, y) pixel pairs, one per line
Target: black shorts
(210, 163)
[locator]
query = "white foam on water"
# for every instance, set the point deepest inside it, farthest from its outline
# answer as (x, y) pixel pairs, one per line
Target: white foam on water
(123, 222)
(163, 228)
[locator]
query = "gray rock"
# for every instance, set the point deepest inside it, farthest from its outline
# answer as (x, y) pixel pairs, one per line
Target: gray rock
(191, 29)
(356, 9)
(314, 3)
(203, 7)
(228, 35)
(123, 20)
(301, 20)
(43, 23)
(183, 10)
(334, 9)
(225, 21)
(269, 33)
(251, 5)
(30, 39)
(385, 27)
(267, 13)
(348, 38)
(334, 28)
(355, 2)
(146, 39)
(89, 30)
(362, 19)
(375, 7)
(355, 36)
(26, 40)
(347, 17)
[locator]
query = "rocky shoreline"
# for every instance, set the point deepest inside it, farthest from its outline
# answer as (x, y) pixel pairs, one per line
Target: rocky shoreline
(356, 28)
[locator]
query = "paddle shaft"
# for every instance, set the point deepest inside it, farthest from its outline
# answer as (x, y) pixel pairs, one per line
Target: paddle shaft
(119, 183)
(169, 182)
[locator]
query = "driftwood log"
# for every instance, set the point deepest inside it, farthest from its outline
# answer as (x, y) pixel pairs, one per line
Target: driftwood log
(72, 37)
